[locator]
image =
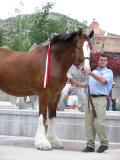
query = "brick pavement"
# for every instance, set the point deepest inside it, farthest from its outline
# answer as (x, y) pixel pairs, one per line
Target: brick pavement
(22, 148)
(69, 145)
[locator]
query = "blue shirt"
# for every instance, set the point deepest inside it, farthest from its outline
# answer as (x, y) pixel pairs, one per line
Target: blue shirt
(97, 88)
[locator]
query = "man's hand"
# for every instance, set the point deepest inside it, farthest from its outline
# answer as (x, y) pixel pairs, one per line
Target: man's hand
(87, 71)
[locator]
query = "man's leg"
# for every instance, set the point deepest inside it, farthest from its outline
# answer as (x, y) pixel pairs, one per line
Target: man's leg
(100, 126)
(90, 130)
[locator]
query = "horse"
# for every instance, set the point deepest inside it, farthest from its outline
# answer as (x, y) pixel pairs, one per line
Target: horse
(42, 72)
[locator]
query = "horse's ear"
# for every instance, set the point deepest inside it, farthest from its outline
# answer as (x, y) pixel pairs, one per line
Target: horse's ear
(79, 31)
(91, 34)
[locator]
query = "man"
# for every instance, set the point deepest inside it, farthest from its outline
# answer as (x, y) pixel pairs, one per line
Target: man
(100, 83)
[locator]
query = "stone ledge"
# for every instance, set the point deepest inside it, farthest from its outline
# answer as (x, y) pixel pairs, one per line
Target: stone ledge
(69, 125)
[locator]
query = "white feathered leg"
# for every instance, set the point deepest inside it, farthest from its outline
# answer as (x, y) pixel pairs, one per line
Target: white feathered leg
(41, 141)
(51, 136)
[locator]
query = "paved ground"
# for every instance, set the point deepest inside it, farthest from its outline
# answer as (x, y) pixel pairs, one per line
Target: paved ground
(22, 148)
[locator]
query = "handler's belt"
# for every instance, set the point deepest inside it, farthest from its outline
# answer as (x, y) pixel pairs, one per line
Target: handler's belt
(93, 95)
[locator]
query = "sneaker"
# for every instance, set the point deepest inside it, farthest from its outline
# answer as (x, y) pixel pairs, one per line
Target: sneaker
(88, 149)
(102, 148)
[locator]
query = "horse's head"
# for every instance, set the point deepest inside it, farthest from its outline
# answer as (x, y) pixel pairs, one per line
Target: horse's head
(84, 46)
(72, 46)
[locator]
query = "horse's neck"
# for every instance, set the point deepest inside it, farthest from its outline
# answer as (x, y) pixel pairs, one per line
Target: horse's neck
(63, 55)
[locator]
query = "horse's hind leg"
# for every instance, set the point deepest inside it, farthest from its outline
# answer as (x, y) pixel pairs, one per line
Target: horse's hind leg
(51, 136)
(41, 141)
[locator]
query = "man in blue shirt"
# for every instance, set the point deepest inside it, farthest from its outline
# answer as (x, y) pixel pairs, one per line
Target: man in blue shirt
(100, 83)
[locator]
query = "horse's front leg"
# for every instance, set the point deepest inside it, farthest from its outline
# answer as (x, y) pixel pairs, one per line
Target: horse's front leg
(41, 141)
(51, 136)
(47, 141)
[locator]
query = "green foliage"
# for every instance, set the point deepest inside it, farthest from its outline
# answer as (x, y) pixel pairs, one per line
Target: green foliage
(21, 31)
(42, 33)
(16, 34)
(40, 19)
(20, 44)
(1, 38)
(118, 106)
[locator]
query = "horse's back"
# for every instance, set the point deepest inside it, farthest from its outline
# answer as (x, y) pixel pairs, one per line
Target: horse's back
(8, 54)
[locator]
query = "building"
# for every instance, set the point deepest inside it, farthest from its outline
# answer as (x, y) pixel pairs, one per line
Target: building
(103, 41)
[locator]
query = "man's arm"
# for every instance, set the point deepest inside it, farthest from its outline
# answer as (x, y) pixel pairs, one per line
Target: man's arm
(100, 78)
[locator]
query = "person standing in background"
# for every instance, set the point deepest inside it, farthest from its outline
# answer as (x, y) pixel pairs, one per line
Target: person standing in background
(76, 70)
(111, 101)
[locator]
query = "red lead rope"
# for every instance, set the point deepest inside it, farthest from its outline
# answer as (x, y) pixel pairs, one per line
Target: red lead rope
(47, 69)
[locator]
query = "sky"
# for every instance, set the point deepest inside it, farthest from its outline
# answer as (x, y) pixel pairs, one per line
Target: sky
(105, 12)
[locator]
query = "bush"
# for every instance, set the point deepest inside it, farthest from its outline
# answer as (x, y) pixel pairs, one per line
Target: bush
(113, 62)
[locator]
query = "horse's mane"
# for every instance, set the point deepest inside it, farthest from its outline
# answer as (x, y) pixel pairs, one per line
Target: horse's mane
(60, 38)
(65, 37)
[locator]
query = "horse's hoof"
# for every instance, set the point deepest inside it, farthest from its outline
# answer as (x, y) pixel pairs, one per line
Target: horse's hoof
(43, 144)
(57, 146)
(44, 147)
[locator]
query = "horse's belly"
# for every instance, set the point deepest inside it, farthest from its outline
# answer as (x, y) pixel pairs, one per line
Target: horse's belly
(17, 86)
(18, 92)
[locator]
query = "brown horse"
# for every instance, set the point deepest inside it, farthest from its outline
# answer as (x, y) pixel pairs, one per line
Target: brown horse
(22, 74)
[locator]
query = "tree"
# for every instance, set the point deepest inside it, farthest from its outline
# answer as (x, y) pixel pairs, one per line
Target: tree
(15, 33)
(39, 19)
(21, 31)
(19, 34)
(43, 26)
(1, 37)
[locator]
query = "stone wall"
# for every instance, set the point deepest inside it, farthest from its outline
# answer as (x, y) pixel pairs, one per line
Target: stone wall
(4, 97)
(69, 125)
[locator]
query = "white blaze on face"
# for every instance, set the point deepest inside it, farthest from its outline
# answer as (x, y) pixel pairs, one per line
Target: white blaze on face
(86, 50)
